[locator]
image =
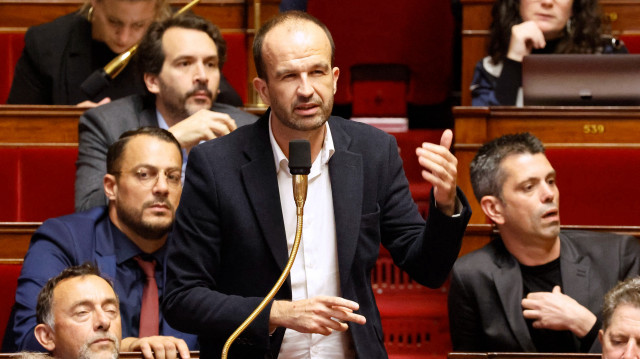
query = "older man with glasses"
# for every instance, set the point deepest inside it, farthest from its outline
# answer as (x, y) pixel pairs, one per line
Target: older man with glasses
(125, 239)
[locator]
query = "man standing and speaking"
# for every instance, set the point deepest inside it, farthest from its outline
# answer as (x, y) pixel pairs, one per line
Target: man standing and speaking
(237, 218)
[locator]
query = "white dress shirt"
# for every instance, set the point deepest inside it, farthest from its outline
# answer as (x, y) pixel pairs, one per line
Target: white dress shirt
(315, 269)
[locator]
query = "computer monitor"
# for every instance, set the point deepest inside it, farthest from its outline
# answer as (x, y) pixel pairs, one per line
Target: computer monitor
(581, 80)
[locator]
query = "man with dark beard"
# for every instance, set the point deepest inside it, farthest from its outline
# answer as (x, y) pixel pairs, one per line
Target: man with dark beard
(125, 239)
(181, 59)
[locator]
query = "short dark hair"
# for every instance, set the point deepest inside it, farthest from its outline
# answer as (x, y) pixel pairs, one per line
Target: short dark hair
(44, 307)
(582, 36)
(486, 173)
(625, 292)
(116, 150)
(150, 54)
(289, 16)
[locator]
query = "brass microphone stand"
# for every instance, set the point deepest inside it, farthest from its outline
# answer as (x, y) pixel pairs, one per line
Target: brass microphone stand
(299, 195)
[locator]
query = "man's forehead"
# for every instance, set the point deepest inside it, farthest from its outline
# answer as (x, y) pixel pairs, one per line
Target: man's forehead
(301, 34)
(144, 148)
(72, 290)
(178, 42)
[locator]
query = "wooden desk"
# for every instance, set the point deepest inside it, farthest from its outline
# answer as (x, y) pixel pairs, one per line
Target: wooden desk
(555, 126)
(39, 124)
(50, 124)
(620, 17)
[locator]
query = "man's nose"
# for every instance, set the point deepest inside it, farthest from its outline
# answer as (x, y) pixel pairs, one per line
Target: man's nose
(305, 89)
(200, 73)
(102, 321)
(632, 351)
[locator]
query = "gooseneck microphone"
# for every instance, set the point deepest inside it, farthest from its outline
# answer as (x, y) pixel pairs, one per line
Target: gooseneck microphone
(299, 166)
(101, 78)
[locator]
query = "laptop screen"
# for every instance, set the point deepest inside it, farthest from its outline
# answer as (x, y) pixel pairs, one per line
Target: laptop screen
(581, 80)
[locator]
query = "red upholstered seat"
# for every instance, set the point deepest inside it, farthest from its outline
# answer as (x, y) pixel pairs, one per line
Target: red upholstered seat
(407, 144)
(11, 45)
(9, 273)
(416, 33)
(598, 186)
(414, 317)
(632, 42)
(8, 183)
(36, 183)
(235, 68)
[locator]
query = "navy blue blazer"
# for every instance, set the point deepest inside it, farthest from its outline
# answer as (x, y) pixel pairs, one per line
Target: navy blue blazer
(57, 244)
(228, 246)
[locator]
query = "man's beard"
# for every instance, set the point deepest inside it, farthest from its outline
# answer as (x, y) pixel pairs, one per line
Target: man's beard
(291, 120)
(87, 353)
(134, 220)
(176, 103)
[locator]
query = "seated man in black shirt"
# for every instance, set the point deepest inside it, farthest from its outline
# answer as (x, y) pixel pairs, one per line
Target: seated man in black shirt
(536, 288)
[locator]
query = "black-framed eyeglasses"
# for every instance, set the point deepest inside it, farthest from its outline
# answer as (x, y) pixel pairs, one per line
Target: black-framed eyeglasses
(148, 176)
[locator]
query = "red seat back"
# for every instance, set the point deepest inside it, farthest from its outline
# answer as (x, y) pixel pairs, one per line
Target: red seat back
(11, 44)
(598, 186)
(9, 273)
(37, 182)
(235, 68)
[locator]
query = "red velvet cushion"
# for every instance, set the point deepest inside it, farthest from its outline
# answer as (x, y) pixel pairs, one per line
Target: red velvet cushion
(632, 42)
(47, 177)
(9, 272)
(598, 186)
(416, 33)
(11, 45)
(9, 184)
(235, 68)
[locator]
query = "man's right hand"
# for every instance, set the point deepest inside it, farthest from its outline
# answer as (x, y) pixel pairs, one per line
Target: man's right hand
(321, 315)
(201, 126)
(525, 37)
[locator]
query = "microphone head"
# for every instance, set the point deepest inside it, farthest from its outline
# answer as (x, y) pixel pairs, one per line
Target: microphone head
(299, 157)
(95, 83)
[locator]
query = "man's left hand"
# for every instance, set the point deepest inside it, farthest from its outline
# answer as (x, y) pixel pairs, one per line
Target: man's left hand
(156, 347)
(440, 167)
(557, 311)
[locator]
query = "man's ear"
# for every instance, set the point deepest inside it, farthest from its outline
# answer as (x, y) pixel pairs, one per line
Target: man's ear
(44, 335)
(152, 83)
(110, 186)
(263, 90)
(601, 337)
(336, 74)
(494, 209)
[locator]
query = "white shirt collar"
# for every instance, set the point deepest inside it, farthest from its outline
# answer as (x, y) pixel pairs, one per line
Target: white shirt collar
(282, 162)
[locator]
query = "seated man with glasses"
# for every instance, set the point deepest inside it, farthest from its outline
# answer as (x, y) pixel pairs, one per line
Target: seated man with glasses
(125, 239)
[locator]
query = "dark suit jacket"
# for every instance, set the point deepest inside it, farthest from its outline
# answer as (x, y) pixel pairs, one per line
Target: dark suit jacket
(101, 126)
(485, 311)
(229, 247)
(60, 243)
(58, 57)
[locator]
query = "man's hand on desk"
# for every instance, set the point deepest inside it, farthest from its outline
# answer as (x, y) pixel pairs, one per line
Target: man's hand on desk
(156, 347)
